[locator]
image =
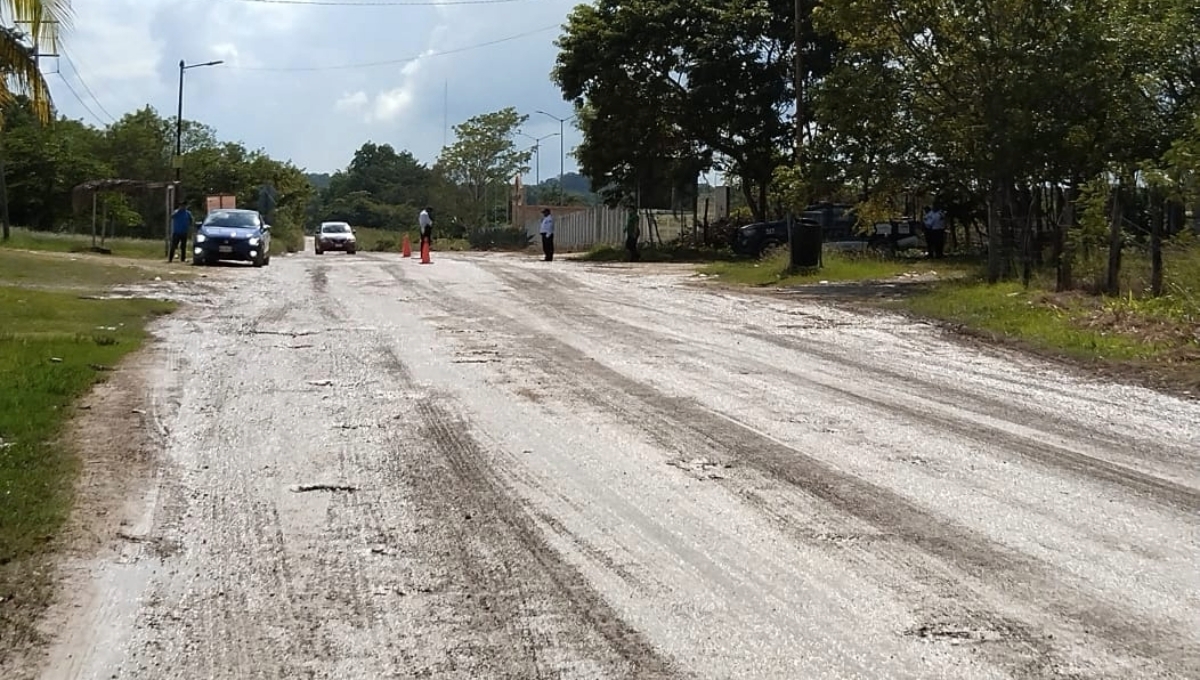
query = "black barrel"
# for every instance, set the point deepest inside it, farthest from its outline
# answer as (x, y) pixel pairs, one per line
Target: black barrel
(804, 236)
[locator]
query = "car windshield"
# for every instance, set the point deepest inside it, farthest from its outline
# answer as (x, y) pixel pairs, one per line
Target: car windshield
(335, 228)
(223, 218)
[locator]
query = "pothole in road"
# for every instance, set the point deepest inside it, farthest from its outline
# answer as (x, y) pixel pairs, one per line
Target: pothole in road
(701, 467)
(955, 635)
(335, 488)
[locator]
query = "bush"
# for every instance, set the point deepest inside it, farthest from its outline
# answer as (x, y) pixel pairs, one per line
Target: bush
(498, 238)
(286, 234)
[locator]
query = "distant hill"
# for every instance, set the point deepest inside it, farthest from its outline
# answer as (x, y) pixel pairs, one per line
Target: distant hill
(575, 183)
(319, 179)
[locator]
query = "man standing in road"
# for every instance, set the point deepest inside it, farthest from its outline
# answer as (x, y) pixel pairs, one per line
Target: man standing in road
(633, 233)
(425, 220)
(181, 223)
(935, 232)
(547, 231)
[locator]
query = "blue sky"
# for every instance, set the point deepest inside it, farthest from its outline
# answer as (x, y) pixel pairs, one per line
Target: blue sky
(119, 55)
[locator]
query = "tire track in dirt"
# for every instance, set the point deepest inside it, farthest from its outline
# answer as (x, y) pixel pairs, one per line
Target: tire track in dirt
(498, 600)
(1145, 486)
(950, 396)
(521, 611)
(208, 614)
(684, 426)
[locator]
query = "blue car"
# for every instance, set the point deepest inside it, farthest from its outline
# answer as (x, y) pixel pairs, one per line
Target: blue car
(232, 234)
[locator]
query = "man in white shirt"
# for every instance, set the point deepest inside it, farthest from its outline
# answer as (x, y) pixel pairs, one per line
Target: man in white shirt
(935, 232)
(425, 220)
(547, 231)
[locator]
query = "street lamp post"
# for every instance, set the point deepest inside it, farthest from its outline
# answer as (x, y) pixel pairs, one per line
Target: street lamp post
(562, 140)
(183, 66)
(537, 152)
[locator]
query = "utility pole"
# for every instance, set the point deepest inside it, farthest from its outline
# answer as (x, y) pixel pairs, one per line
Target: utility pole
(537, 152)
(799, 78)
(178, 161)
(562, 154)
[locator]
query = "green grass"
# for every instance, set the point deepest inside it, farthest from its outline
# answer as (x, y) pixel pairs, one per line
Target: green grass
(56, 341)
(84, 271)
(54, 346)
(772, 270)
(664, 253)
(1066, 325)
(24, 239)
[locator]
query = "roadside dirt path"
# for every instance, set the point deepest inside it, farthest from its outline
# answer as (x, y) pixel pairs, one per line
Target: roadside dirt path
(495, 467)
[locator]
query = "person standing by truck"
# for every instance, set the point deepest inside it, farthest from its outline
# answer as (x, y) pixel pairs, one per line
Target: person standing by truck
(935, 232)
(181, 224)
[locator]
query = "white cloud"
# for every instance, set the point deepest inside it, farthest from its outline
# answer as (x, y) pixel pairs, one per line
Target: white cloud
(352, 102)
(128, 51)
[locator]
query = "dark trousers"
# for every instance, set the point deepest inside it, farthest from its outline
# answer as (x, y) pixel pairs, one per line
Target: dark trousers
(936, 240)
(178, 242)
(631, 244)
(548, 246)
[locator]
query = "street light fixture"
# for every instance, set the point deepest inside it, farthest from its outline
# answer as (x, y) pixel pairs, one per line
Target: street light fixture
(183, 66)
(562, 154)
(537, 152)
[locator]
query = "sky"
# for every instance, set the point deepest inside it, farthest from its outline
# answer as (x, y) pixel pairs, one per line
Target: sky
(312, 82)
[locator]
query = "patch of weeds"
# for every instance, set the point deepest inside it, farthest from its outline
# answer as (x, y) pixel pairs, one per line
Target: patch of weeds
(773, 269)
(660, 253)
(1077, 325)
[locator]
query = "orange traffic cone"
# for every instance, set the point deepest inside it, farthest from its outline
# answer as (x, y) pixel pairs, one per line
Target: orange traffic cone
(406, 247)
(425, 252)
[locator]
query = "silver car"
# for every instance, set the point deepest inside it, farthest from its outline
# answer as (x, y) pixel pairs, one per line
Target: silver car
(335, 236)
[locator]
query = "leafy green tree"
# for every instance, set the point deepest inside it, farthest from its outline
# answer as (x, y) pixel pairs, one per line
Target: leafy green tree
(476, 169)
(661, 85)
(46, 162)
(381, 188)
(19, 72)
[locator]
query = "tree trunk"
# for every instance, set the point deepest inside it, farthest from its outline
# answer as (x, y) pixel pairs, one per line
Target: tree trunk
(1028, 199)
(1112, 280)
(4, 195)
(1064, 255)
(1156, 233)
(995, 240)
(748, 193)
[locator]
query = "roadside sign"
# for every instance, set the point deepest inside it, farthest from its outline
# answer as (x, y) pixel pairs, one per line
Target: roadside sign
(220, 201)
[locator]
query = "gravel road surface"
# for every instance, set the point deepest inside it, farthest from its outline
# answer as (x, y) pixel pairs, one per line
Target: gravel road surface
(498, 467)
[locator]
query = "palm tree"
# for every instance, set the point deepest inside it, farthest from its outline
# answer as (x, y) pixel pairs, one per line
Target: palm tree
(19, 72)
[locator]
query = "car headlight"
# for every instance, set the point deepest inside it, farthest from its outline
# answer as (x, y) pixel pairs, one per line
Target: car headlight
(201, 238)
(254, 240)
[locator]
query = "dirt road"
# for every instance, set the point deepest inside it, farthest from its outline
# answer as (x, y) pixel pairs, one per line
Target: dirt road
(496, 467)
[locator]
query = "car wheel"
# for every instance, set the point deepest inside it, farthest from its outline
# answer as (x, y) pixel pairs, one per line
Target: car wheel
(319, 251)
(351, 252)
(258, 262)
(198, 262)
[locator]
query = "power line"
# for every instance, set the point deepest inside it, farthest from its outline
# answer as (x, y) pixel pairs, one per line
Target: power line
(382, 3)
(392, 62)
(80, 99)
(83, 82)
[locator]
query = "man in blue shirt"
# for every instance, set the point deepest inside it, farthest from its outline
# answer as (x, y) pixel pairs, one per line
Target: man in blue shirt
(181, 222)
